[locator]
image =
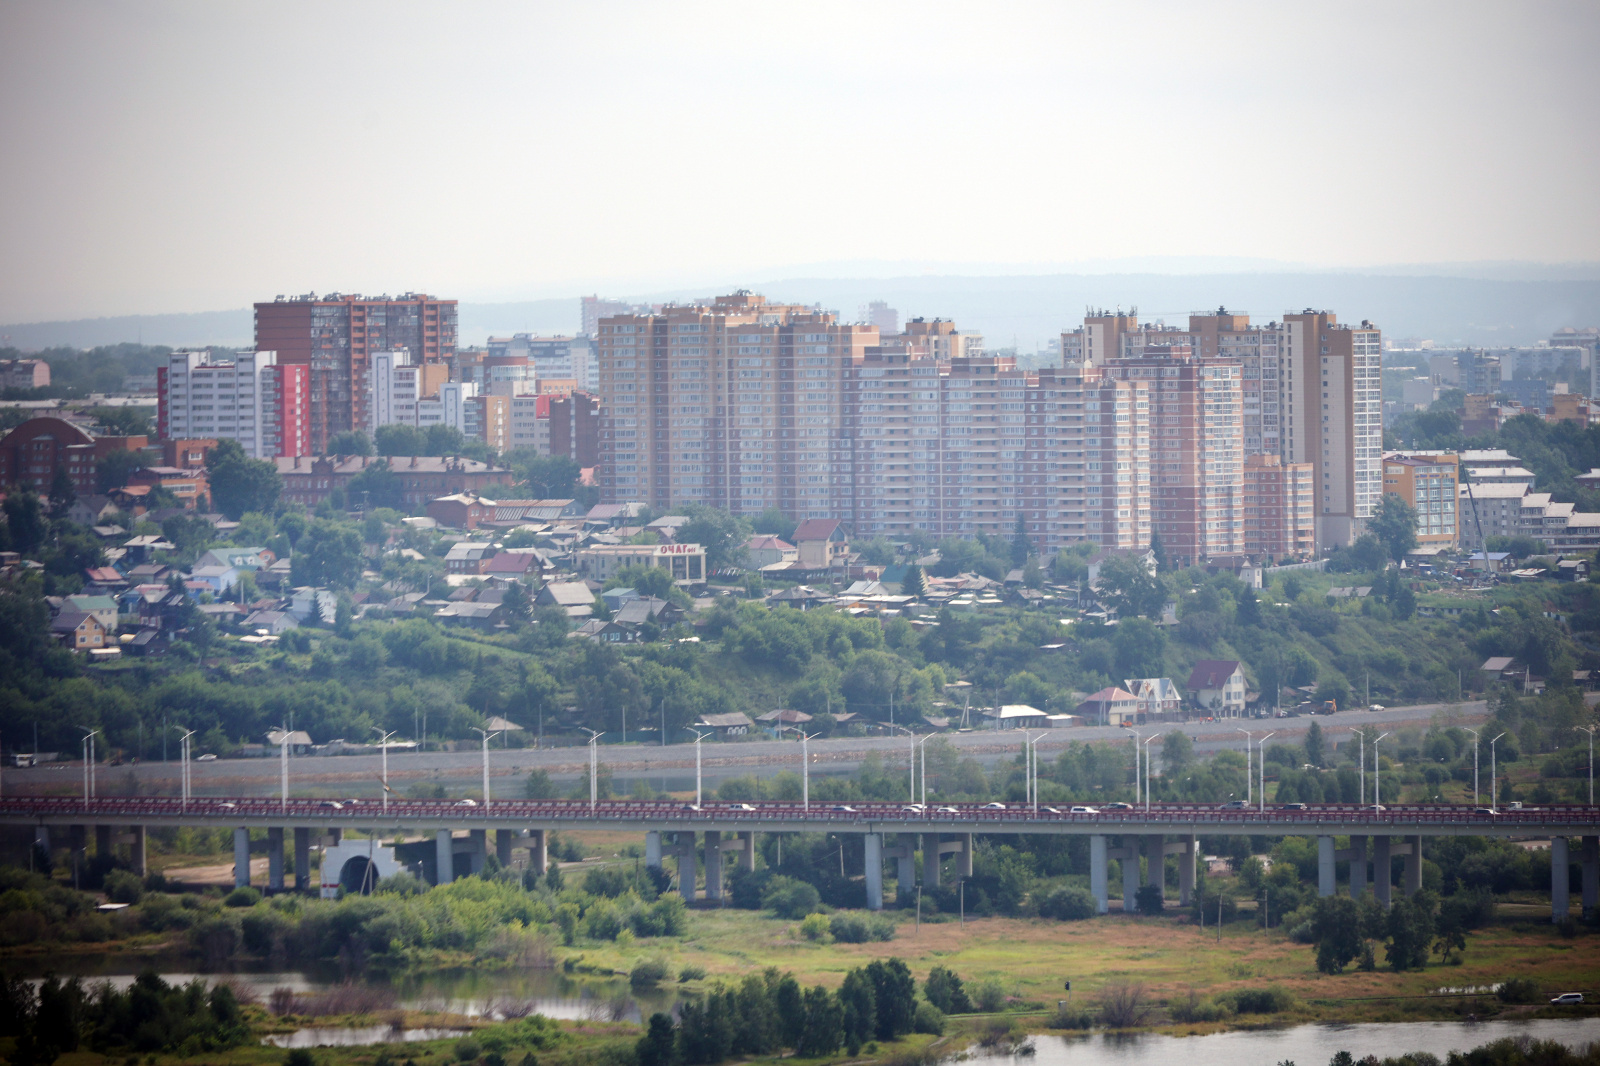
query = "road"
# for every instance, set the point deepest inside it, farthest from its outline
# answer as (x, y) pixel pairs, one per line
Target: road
(672, 766)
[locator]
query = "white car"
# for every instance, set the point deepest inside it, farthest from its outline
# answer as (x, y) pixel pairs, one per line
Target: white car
(915, 808)
(1377, 707)
(208, 757)
(1084, 810)
(948, 810)
(466, 803)
(844, 808)
(994, 806)
(1569, 997)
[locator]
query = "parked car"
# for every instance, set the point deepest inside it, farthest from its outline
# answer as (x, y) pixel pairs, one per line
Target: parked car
(1568, 997)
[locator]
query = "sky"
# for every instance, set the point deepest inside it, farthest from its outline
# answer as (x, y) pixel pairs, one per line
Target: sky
(167, 157)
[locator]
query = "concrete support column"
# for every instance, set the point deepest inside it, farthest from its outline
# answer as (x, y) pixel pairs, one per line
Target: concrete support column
(1380, 869)
(539, 851)
(1130, 876)
(1186, 865)
(652, 847)
(444, 858)
(302, 859)
(714, 866)
(964, 867)
(1097, 873)
(78, 843)
(480, 848)
(275, 858)
(1358, 866)
(1591, 875)
(874, 864)
(1326, 876)
(136, 852)
(503, 839)
(747, 852)
(102, 841)
(1560, 895)
(336, 835)
(1155, 865)
(930, 861)
(241, 856)
(688, 867)
(905, 867)
(1413, 865)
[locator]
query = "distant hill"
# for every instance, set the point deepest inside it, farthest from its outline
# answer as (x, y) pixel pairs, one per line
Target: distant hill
(1030, 308)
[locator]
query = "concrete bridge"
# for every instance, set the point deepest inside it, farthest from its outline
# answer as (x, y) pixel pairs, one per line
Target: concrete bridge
(709, 832)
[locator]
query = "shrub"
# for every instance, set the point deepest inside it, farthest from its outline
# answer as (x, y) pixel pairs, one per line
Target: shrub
(1195, 1009)
(1066, 1017)
(1260, 1000)
(789, 898)
(1123, 1005)
(1520, 990)
(848, 928)
(467, 1050)
(123, 887)
(814, 927)
(944, 990)
(243, 896)
(1068, 903)
(648, 972)
(299, 1057)
(989, 995)
(1150, 900)
(928, 1019)
(691, 973)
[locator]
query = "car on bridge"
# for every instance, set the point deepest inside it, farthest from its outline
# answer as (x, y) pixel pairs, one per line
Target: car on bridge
(1083, 810)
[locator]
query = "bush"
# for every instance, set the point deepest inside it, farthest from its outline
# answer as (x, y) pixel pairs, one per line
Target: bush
(989, 996)
(944, 990)
(1123, 1005)
(299, 1057)
(1150, 900)
(1259, 1000)
(814, 927)
(1195, 1009)
(848, 928)
(243, 896)
(648, 972)
(789, 898)
(123, 887)
(691, 973)
(467, 1050)
(1520, 990)
(1068, 903)
(928, 1019)
(1066, 1017)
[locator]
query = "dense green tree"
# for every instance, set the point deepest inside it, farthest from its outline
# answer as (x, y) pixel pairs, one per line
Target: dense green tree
(822, 1028)
(1177, 753)
(945, 991)
(1315, 755)
(913, 584)
(547, 477)
(1021, 546)
(114, 469)
(376, 485)
(1140, 648)
(658, 1046)
(329, 554)
(1248, 612)
(25, 521)
(774, 522)
(858, 1005)
(722, 534)
(349, 442)
(1411, 929)
(1394, 523)
(1336, 927)
(895, 997)
(399, 439)
(240, 483)
(1129, 588)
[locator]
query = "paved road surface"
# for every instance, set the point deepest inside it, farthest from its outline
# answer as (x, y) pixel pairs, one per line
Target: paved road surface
(674, 765)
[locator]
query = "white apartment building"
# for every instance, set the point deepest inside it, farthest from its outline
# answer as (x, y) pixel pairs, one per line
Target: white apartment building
(394, 385)
(249, 398)
(524, 358)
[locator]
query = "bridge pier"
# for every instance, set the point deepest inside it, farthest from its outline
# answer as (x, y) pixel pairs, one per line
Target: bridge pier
(874, 869)
(964, 863)
(713, 842)
(1560, 894)
(1097, 873)
(1128, 854)
(905, 866)
(102, 842)
(503, 839)
(302, 859)
(78, 848)
(1327, 878)
(652, 848)
(1356, 853)
(1591, 875)
(241, 857)
(1155, 862)
(930, 861)
(688, 867)
(137, 852)
(478, 842)
(747, 851)
(1188, 852)
(1413, 870)
(444, 858)
(275, 858)
(539, 851)
(1382, 876)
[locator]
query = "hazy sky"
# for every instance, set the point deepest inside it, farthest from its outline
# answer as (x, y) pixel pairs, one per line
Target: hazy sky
(192, 156)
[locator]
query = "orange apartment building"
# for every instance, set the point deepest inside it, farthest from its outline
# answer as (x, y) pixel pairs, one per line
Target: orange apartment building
(1279, 507)
(1428, 482)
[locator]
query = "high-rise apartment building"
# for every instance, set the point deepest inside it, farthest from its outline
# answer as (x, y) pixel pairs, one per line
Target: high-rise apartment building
(1279, 507)
(558, 424)
(1428, 482)
(335, 335)
(252, 398)
(402, 393)
(543, 358)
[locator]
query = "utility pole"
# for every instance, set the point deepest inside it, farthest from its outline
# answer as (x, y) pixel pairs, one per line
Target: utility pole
(184, 766)
(698, 737)
(805, 771)
(283, 761)
(1146, 743)
(1361, 795)
(486, 738)
(1137, 739)
(594, 766)
(384, 741)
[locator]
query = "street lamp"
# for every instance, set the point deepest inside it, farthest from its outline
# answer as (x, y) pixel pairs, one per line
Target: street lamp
(922, 748)
(594, 766)
(1377, 774)
(1475, 739)
(283, 761)
(805, 771)
(1249, 792)
(1261, 768)
(1361, 760)
(184, 777)
(1494, 778)
(486, 738)
(88, 765)
(384, 744)
(1590, 730)
(698, 737)
(1146, 743)
(911, 759)
(1137, 739)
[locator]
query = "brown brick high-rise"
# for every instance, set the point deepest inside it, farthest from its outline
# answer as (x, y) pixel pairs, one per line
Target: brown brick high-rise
(335, 334)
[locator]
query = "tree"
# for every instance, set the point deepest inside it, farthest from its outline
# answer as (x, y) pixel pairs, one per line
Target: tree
(1026, 687)
(723, 535)
(1394, 523)
(1128, 587)
(114, 469)
(62, 491)
(240, 483)
(944, 990)
(913, 584)
(328, 554)
(1314, 748)
(397, 438)
(1021, 546)
(658, 1046)
(1248, 611)
(858, 1006)
(547, 477)
(25, 521)
(1177, 752)
(1140, 648)
(1410, 929)
(1159, 550)
(376, 485)
(895, 994)
(517, 605)
(349, 442)
(774, 522)
(822, 1025)
(1336, 928)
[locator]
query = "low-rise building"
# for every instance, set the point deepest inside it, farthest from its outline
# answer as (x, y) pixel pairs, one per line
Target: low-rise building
(686, 562)
(1427, 482)
(1218, 686)
(422, 478)
(1157, 696)
(1110, 706)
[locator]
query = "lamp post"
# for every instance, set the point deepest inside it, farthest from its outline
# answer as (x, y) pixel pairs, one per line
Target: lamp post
(184, 778)
(1475, 739)
(384, 742)
(1137, 739)
(922, 747)
(698, 737)
(911, 760)
(1377, 774)
(1494, 778)
(1590, 730)
(1361, 767)
(486, 735)
(594, 766)
(1249, 790)
(805, 770)
(1261, 768)
(1146, 743)
(88, 765)
(283, 763)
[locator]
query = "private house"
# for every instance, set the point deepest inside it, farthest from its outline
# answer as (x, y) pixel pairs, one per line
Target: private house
(574, 597)
(468, 557)
(820, 544)
(79, 631)
(765, 550)
(724, 726)
(1110, 706)
(1156, 696)
(1218, 687)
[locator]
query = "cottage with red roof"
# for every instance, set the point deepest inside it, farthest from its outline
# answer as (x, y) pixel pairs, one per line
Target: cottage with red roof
(821, 543)
(1218, 686)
